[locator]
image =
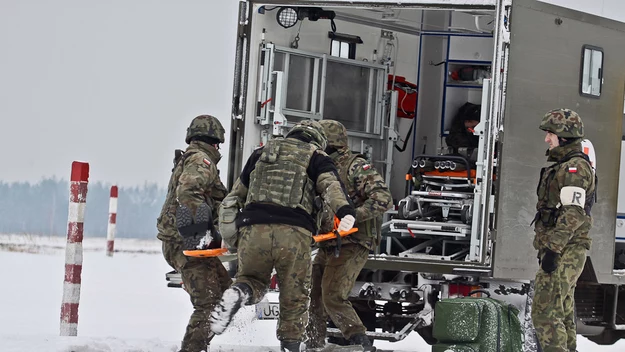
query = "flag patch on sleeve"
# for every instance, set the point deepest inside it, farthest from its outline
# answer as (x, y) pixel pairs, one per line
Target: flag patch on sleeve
(366, 167)
(207, 162)
(573, 169)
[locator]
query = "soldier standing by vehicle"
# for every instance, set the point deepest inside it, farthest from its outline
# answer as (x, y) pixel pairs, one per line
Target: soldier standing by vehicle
(186, 222)
(333, 277)
(276, 188)
(566, 193)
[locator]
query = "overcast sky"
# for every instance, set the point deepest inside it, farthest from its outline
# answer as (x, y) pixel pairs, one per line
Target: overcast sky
(114, 83)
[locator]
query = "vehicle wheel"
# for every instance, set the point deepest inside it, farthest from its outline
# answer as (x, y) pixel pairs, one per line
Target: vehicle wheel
(401, 209)
(466, 215)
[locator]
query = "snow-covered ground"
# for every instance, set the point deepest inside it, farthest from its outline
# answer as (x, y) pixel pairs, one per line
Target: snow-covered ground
(124, 305)
(54, 244)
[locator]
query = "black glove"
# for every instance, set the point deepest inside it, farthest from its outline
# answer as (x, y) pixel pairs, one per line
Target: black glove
(549, 262)
(198, 233)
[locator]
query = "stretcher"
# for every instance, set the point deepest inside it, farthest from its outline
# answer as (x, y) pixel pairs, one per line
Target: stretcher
(435, 219)
(335, 234)
(205, 253)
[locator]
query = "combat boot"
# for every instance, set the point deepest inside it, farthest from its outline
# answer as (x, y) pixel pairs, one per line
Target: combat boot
(289, 346)
(362, 340)
(231, 301)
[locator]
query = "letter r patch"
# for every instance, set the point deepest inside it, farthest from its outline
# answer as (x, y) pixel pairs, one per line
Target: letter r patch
(571, 195)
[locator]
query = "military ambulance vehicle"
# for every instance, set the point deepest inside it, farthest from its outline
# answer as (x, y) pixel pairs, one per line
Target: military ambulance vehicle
(397, 74)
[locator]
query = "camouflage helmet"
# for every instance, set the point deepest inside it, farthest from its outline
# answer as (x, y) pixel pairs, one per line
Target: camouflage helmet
(335, 133)
(207, 126)
(311, 129)
(564, 123)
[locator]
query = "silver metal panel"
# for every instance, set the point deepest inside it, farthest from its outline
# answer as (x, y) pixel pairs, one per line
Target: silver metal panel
(379, 105)
(369, 105)
(322, 93)
(544, 73)
(239, 93)
(482, 170)
(315, 86)
(391, 139)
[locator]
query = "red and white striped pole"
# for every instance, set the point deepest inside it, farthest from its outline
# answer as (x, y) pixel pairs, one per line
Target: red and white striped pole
(112, 227)
(73, 249)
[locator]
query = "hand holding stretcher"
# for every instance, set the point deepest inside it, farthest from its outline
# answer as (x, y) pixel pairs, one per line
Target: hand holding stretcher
(335, 234)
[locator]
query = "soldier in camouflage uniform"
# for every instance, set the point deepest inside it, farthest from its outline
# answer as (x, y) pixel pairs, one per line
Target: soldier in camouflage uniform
(333, 277)
(193, 197)
(277, 187)
(566, 193)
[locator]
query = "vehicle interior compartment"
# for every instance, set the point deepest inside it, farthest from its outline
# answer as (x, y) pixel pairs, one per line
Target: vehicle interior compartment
(340, 63)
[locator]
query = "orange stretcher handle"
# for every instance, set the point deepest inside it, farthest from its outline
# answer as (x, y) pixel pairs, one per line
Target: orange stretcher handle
(332, 235)
(204, 253)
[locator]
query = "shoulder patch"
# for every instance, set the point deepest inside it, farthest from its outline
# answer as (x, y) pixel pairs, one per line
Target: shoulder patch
(206, 161)
(366, 167)
(572, 169)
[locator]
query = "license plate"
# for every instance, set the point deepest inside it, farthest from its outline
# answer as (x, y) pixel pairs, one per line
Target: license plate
(267, 310)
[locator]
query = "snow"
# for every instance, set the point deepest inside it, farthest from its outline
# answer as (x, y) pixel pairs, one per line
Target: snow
(51, 244)
(125, 304)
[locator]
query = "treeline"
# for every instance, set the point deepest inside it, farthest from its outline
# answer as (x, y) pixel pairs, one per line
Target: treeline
(41, 208)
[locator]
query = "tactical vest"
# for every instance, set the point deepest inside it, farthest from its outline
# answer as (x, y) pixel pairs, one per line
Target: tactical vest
(280, 176)
(547, 213)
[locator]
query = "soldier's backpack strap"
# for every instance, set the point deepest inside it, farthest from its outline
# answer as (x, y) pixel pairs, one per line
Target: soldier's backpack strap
(180, 156)
(177, 155)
